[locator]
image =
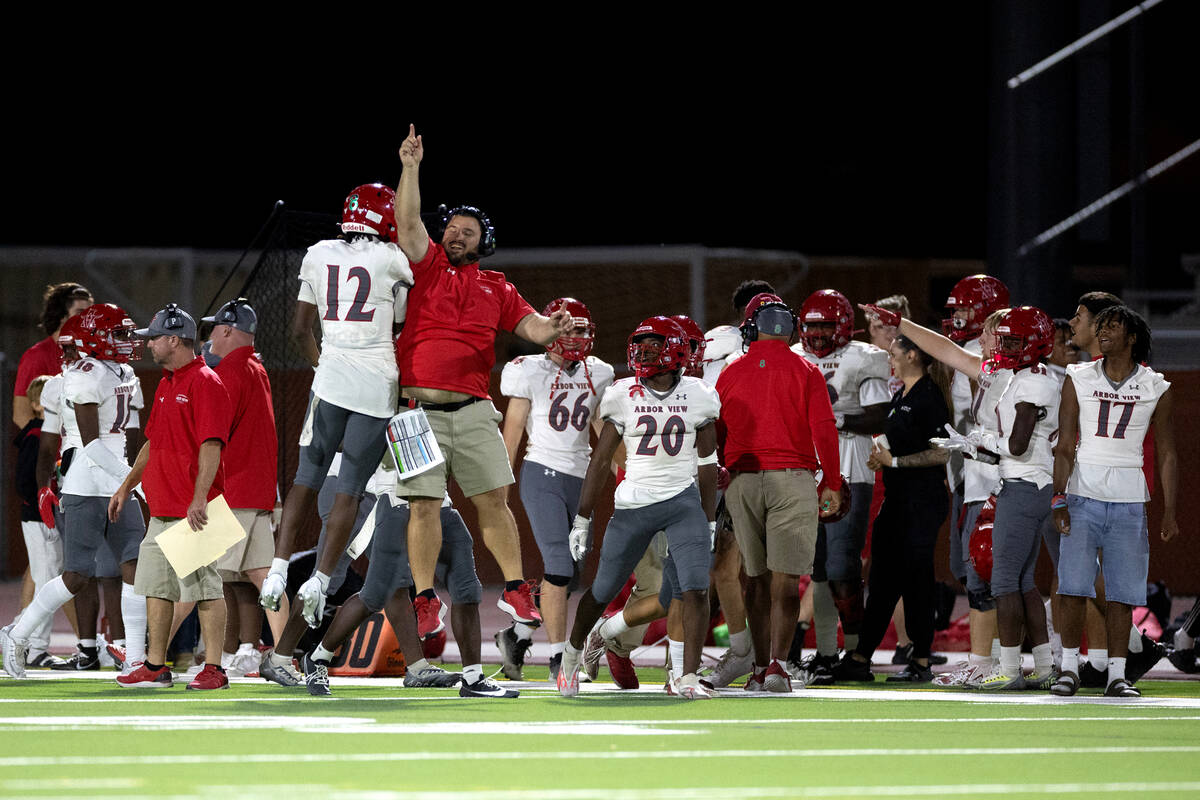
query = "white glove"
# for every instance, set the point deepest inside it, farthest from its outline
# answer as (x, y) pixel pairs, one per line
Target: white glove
(712, 536)
(580, 538)
(274, 585)
(955, 441)
(986, 440)
(312, 596)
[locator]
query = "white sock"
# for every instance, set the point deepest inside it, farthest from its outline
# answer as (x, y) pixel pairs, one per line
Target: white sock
(825, 618)
(45, 602)
(133, 611)
(226, 660)
(472, 673)
(246, 647)
(1070, 660)
(417, 666)
(1043, 658)
(676, 649)
(1116, 669)
(1135, 640)
(556, 648)
(524, 632)
(319, 653)
(1010, 661)
(986, 662)
(740, 642)
(1183, 641)
(1098, 659)
(280, 660)
(996, 650)
(570, 661)
(614, 626)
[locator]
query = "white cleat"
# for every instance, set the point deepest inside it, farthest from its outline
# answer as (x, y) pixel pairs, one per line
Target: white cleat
(15, 651)
(964, 676)
(689, 687)
(568, 681)
(730, 667)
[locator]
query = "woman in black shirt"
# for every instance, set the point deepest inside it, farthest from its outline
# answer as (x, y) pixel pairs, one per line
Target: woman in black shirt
(914, 506)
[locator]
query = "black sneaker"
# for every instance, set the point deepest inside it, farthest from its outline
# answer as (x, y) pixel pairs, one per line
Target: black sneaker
(936, 660)
(1184, 660)
(512, 652)
(818, 670)
(316, 676)
(80, 661)
(903, 654)
(555, 666)
(485, 688)
(912, 673)
(1138, 664)
(851, 669)
(1092, 678)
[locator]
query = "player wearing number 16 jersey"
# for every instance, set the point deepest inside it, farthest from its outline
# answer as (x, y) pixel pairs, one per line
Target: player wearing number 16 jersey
(357, 287)
(666, 421)
(553, 399)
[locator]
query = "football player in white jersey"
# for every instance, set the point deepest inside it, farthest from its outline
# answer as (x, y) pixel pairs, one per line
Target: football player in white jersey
(553, 399)
(1100, 490)
(357, 287)
(856, 375)
(981, 478)
(100, 392)
(666, 422)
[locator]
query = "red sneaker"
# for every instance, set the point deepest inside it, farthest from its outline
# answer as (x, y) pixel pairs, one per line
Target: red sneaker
(117, 654)
(434, 646)
(622, 671)
(776, 679)
(142, 678)
(209, 678)
(519, 605)
(429, 616)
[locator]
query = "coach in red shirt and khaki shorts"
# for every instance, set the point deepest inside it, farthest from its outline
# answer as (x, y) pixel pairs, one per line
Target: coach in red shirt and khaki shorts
(180, 471)
(777, 420)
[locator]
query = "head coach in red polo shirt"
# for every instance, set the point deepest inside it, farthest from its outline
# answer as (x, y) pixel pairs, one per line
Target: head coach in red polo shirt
(445, 354)
(778, 430)
(179, 468)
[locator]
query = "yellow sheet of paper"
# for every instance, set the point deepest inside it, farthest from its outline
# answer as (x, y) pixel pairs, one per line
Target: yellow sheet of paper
(189, 550)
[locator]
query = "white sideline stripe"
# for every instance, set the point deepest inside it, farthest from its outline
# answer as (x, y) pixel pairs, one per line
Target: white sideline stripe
(620, 755)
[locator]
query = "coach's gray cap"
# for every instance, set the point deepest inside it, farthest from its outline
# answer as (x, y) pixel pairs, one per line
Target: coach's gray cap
(171, 321)
(236, 314)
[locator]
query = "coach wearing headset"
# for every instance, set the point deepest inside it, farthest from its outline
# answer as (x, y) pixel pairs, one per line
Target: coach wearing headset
(778, 429)
(446, 353)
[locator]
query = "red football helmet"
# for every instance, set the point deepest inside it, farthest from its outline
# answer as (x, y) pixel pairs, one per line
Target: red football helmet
(979, 548)
(696, 341)
(70, 336)
(1026, 336)
(831, 307)
(105, 332)
(573, 347)
(981, 293)
(370, 208)
(658, 345)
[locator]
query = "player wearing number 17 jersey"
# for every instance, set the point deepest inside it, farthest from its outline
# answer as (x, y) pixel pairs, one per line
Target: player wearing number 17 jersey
(357, 287)
(552, 398)
(666, 421)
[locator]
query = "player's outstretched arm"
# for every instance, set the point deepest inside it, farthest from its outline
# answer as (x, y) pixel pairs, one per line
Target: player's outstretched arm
(932, 342)
(410, 232)
(1168, 466)
(1064, 451)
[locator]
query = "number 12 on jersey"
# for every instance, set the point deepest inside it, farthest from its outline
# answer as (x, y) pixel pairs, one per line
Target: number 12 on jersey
(357, 312)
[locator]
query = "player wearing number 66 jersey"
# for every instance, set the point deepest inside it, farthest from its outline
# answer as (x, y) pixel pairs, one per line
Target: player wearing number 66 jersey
(553, 399)
(665, 421)
(357, 287)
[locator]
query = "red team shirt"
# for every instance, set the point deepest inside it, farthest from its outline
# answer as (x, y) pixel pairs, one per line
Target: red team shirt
(449, 335)
(190, 407)
(251, 455)
(44, 358)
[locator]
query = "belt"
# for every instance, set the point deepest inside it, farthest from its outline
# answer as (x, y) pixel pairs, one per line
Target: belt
(447, 407)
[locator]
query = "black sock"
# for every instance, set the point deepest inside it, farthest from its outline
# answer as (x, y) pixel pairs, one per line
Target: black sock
(428, 594)
(152, 667)
(795, 651)
(512, 586)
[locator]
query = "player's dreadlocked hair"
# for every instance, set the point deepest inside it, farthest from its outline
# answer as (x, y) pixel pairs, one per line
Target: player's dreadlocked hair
(747, 291)
(1134, 325)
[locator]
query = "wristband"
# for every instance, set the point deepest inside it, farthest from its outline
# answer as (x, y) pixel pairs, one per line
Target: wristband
(279, 566)
(711, 458)
(1058, 501)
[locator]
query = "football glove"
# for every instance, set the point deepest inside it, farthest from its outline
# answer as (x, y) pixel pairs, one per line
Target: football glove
(274, 585)
(885, 317)
(47, 502)
(712, 536)
(580, 538)
(955, 441)
(986, 440)
(312, 596)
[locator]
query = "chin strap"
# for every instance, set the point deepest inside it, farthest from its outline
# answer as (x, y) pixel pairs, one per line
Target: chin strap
(587, 373)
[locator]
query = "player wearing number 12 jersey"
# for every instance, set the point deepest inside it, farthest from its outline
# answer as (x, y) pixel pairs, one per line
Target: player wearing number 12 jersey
(357, 287)
(552, 398)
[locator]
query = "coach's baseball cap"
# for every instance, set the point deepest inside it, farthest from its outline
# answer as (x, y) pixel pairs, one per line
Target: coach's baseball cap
(236, 314)
(171, 321)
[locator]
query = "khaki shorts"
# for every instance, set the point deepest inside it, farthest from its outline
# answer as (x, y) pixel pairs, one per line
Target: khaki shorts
(253, 552)
(471, 443)
(774, 520)
(156, 578)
